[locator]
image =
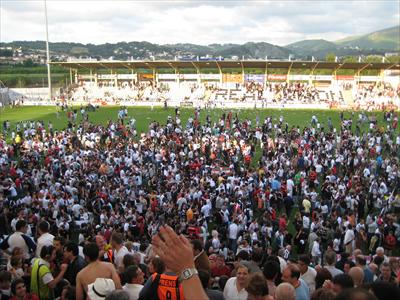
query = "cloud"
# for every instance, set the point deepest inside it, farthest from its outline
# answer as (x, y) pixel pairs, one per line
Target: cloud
(200, 22)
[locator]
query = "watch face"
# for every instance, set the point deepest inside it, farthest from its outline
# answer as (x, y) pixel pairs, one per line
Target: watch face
(186, 273)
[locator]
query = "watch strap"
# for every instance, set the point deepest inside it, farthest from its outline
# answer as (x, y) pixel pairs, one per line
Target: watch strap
(187, 274)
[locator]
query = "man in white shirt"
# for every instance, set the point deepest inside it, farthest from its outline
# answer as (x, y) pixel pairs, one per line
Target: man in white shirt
(45, 239)
(21, 216)
(349, 239)
(308, 274)
(134, 281)
(120, 250)
(20, 239)
(316, 251)
(233, 232)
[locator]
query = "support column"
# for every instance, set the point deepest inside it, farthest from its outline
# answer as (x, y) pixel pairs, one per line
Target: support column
(288, 73)
(76, 76)
(265, 75)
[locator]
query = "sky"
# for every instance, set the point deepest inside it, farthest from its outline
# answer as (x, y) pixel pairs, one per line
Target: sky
(198, 22)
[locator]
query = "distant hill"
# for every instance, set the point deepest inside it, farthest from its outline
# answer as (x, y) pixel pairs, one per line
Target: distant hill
(145, 50)
(379, 42)
(316, 48)
(386, 39)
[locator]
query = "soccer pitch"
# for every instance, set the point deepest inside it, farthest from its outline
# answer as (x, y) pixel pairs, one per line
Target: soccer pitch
(145, 115)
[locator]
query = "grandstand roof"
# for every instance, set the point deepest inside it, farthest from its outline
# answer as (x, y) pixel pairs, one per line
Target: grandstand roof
(223, 64)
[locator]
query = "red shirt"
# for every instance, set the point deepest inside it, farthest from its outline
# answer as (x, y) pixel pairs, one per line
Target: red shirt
(220, 271)
(282, 223)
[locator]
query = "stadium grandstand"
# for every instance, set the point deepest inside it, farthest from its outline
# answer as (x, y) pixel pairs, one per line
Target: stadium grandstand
(223, 83)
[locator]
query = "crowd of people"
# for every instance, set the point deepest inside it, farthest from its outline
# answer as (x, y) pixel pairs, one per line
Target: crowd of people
(379, 95)
(295, 92)
(221, 209)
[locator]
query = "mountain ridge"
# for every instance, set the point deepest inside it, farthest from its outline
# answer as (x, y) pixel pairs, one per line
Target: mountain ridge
(374, 43)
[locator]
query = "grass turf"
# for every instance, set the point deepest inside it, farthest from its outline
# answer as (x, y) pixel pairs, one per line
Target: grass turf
(144, 115)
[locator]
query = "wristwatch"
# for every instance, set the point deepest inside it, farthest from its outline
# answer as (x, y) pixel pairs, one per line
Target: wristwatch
(187, 274)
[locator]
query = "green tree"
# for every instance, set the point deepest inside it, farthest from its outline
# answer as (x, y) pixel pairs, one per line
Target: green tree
(373, 59)
(330, 57)
(28, 63)
(350, 59)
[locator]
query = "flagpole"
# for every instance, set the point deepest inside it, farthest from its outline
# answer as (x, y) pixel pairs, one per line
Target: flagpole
(47, 50)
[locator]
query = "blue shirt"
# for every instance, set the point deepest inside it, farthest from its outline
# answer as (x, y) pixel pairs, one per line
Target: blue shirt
(302, 291)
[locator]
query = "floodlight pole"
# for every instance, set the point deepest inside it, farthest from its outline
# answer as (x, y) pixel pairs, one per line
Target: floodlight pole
(47, 50)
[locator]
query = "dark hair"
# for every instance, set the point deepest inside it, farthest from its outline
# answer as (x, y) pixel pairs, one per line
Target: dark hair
(304, 258)
(350, 263)
(46, 251)
(257, 285)
(294, 271)
(70, 294)
(344, 281)
(271, 269)
(330, 257)
(243, 255)
(360, 259)
(91, 250)
(204, 278)
(158, 264)
(384, 290)
(44, 226)
(60, 239)
(197, 245)
(117, 238)
(130, 273)
(72, 247)
(20, 224)
(356, 294)
(128, 260)
(323, 294)
(322, 275)
(15, 283)
(222, 281)
(378, 260)
(5, 276)
(15, 260)
(118, 295)
(257, 255)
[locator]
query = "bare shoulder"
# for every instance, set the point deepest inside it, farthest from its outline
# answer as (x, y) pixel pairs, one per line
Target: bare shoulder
(107, 265)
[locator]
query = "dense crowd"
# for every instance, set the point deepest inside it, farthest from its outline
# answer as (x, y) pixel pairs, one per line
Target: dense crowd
(378, 95)
(205, 92)
(221, 209)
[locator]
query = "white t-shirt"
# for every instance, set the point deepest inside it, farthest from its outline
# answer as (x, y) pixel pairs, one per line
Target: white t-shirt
(309, 278)
(231, 292)
(233, 231)
(119, 256)
(133, 290)
(45, 239)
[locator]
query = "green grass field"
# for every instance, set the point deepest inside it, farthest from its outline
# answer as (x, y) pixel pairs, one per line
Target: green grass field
(144, 115)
